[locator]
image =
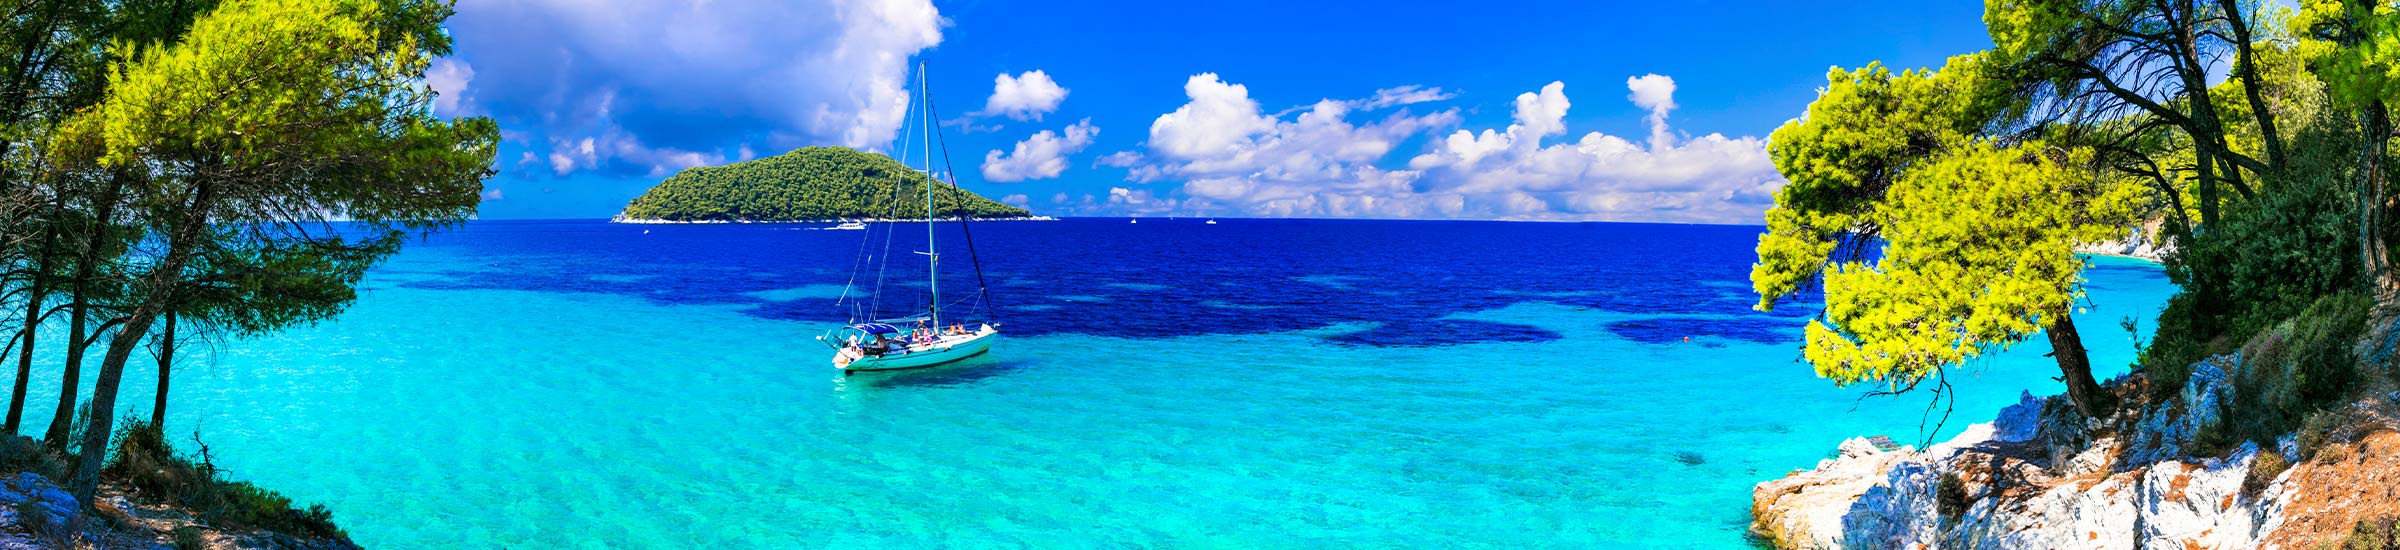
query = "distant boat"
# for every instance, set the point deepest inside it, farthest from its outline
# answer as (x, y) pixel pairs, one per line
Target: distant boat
(1133, 221)
(850, 226)
(870, 343)
(1212, 222)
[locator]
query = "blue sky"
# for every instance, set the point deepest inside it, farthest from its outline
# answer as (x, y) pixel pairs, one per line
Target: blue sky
(1464, 110)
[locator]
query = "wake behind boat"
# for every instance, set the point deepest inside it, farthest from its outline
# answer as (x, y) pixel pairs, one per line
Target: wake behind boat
(877, 344)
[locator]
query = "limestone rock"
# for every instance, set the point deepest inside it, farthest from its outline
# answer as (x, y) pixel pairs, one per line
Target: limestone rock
(1805, 510)
(2040, 476)
(2167, 429)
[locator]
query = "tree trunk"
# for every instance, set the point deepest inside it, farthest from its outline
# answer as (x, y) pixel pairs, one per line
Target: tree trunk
(102, 422)
(2076, 367)
(79, 314)
(166, 363)
(71, 378)
(2374, 127)
(33, 325)
(165, 278)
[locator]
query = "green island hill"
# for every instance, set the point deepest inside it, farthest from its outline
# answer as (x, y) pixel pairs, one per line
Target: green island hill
(810, 184)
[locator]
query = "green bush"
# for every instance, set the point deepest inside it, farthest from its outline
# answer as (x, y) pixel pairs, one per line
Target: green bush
(189, 538)
(2373, 534)
(145, 462)
(23, 454)
(2267, 260)
(2319, 430)
(1950, 498)
(2262, 473)
(2297, 368)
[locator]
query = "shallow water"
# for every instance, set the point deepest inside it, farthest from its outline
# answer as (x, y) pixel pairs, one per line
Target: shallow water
(1252, 383)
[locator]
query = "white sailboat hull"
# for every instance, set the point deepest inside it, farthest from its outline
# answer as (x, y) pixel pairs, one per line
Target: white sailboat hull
(948, 349)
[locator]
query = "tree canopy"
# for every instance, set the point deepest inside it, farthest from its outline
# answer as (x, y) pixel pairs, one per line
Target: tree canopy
(234, 164)
(1940, 211)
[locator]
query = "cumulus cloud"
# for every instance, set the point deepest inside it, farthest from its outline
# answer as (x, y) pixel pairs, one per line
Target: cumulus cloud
(1027, 96)
(1232, 156)
(1229, 156)
(494, 194)
(1710, 178)
(1042, 156)
(1654, 93)
(839, 76)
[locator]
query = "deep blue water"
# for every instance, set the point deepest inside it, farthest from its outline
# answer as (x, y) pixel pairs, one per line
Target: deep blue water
(1255, 383)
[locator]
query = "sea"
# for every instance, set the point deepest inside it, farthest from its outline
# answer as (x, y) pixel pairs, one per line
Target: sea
(1170, 383)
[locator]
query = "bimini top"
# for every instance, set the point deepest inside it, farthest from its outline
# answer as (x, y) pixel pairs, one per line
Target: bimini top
(876, 328)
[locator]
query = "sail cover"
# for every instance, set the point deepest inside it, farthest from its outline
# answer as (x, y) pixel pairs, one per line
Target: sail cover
(876, 328)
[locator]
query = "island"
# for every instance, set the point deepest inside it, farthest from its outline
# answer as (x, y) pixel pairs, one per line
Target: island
(810, 184)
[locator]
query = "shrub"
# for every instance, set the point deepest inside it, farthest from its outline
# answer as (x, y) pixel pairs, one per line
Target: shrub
(2262, 473)
(23, 454)
(2298, 367)
(145, 462)
(2319, 430)
(2372, 534)
(2265, 260)
(189, 538)
(1950, 498)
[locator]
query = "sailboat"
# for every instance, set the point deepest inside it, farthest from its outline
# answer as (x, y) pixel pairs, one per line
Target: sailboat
(918, 339)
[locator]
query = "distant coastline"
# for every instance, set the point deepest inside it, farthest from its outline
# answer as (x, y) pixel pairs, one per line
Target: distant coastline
(620, 218)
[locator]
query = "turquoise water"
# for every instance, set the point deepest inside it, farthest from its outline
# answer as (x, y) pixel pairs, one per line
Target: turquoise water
(532, 386)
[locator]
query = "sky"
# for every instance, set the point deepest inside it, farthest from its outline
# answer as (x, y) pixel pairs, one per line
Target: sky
(1520, 110)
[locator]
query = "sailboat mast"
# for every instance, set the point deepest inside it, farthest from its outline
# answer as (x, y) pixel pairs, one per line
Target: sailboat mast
(933, 254)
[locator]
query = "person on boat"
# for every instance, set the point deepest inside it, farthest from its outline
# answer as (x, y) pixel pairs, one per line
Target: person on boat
(921, 334)
(880, 345)
(958, 328)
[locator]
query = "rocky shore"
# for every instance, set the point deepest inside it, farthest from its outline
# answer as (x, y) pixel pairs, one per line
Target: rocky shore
(34, 514)
(2138, 243)
(2041, 476)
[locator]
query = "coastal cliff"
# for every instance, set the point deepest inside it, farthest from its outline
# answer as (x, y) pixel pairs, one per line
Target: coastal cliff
(2041, 476)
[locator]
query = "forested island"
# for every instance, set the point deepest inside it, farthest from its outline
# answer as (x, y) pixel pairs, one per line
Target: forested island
(811, 184)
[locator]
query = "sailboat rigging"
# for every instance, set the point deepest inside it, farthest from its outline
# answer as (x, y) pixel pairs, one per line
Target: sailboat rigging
(871, 343)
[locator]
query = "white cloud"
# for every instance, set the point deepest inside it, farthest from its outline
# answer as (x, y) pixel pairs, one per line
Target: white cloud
(1042, 156)
(617, 146)
(449, 78)
(1219, 118)
(1710, 178)
(839, 74)
(1027, 96)
(1402, 95)
(494, 194)
(1121, 159)
(1230, 157)
(1655, 93)
(1018, 199)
